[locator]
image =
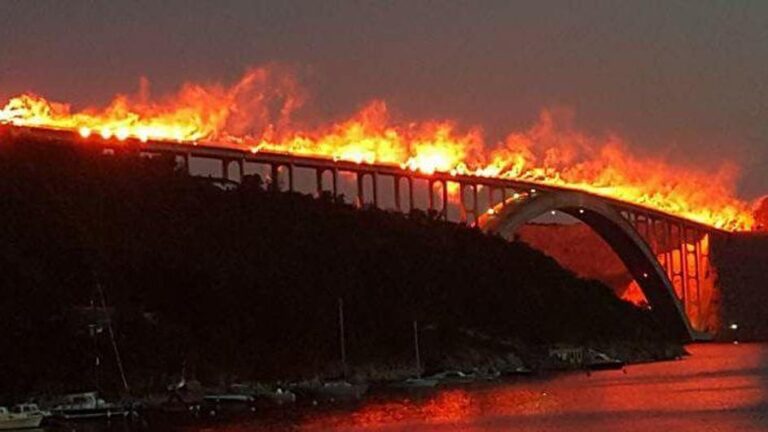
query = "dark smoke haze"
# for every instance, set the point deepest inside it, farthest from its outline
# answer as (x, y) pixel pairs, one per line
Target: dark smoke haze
(685, 79)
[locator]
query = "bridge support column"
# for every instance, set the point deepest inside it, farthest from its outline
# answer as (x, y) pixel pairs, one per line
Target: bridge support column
(396, 180)
(445, 200)
(360, 192)
(319, 181)
(462, 206)
(410, 194)
(683, 268)
(375, 181)
(464, 209)
(290, 177)
(431, 201)
(185, 161)
(274, 185)
(225, 169)
(335, 178)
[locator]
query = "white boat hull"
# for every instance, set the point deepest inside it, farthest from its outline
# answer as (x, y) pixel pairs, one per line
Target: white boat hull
(86, 414)
(20, 423)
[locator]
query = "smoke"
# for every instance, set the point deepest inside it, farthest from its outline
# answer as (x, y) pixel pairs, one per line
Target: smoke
(264, 101)
(259, 111)
(761, 213)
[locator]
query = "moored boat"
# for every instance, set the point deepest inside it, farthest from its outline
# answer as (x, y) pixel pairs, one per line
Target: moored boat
(454, 377)
(596, 360)
(331, 390)
(82, 406)
(415, 383)
(261, 392)
(22, 416)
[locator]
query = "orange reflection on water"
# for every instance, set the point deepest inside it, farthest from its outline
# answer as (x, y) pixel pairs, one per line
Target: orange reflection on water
(719, 388)
(449, 407)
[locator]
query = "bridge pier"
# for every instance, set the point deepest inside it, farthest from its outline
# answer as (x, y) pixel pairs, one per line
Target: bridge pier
(185, 161)
(225, 169)
(396, 186)
(275, 169)
(464, 210)
(443, 214)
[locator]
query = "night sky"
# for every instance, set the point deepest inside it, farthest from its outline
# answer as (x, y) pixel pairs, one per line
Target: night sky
(685, 78)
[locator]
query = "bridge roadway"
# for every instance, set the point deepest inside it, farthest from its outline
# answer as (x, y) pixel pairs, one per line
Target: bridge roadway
(668, 256)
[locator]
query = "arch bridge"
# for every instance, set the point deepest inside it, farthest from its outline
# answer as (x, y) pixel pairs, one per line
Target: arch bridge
(669, 257)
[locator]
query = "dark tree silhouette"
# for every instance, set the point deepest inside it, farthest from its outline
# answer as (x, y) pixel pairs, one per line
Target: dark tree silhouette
(244, 282)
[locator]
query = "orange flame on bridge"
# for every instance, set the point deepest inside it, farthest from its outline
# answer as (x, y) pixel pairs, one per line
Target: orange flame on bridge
(256, 113)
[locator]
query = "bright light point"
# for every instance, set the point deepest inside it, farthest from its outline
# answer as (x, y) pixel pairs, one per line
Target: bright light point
(254, 150)
(581, 211)
(734, 326)
(143, 135)
(453, 172)
(645, 275)
(533, 191)
(516, 195)
(553, 212)
(491, 211)
(106, 133)
(122, 134)
(85, 132)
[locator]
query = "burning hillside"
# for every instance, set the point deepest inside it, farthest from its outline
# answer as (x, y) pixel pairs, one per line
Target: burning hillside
(257, 113)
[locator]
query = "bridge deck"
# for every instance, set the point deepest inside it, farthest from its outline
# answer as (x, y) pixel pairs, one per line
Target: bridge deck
(213, 150)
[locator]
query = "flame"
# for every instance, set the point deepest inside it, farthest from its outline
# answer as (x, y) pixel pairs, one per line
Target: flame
(256, 112)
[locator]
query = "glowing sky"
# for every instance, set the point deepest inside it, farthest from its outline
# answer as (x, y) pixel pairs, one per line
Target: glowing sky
(689, 79)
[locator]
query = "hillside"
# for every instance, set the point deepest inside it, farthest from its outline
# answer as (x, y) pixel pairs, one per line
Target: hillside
(245, 282)
(740, 260)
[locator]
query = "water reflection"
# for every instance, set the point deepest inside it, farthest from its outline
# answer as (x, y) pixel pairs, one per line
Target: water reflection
(719, 388)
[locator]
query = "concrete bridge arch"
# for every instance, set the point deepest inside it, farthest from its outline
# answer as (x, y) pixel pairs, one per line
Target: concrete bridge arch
(608, 223)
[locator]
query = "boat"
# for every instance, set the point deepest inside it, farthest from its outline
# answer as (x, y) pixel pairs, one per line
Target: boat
(229, 398)
(342, 389)
(519, 370)
(330, 390)
(415, 383)
(337, 389)
(261, 392)
(454, 377)
(582, 358)
(227, 403)
(22, 416)
(88, 405)
(596, 360)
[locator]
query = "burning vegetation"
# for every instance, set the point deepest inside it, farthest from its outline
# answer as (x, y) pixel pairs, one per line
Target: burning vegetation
(257, 112)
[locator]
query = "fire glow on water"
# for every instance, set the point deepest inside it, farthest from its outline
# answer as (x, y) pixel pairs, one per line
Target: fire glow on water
(256, 113)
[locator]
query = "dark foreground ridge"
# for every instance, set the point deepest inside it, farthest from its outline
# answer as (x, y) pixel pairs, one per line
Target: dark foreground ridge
(243, 283)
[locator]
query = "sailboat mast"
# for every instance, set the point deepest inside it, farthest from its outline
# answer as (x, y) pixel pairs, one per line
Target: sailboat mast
(416, 347)
(112, 338)
(342, 342)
